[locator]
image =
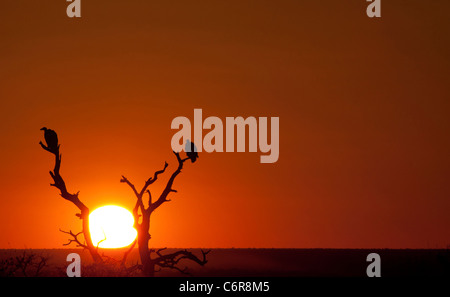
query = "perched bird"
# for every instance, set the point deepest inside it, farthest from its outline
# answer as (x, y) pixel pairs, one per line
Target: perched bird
(191, 151)
(51, 138)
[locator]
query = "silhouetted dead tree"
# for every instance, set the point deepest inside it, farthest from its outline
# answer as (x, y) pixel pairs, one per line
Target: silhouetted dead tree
(142, 224)
(58, 182)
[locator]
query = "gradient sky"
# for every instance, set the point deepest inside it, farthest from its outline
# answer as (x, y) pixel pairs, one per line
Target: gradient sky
(364, 108)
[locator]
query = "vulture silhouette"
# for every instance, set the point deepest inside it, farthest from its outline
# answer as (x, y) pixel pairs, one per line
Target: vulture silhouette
(191, 151)
(51, 138)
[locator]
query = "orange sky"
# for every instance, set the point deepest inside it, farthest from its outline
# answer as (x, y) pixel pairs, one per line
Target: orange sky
(363, 104)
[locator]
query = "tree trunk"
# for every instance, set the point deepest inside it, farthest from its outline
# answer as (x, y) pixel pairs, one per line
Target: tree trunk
(148, 267)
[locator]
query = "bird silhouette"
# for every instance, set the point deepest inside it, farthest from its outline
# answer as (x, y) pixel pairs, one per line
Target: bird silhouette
(191, 151)
(51, 138)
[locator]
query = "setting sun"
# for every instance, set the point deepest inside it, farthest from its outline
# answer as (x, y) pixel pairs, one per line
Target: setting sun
(111, 226)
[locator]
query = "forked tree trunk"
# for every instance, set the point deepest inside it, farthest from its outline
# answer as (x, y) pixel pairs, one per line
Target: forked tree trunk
(160, 261)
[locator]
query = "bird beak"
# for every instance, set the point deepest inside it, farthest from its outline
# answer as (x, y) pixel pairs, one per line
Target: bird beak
(42, 129)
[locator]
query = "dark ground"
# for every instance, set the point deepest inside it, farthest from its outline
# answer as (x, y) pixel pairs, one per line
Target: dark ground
(247, 262)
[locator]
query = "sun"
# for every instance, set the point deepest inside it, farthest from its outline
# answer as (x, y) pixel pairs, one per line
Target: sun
(111, 227)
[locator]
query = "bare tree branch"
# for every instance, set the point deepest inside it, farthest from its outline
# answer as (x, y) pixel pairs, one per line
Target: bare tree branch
(58, 182)
(74, 238)
(149, 197)
(125, 255)
(171, 260)
(168, 189)
(139, 204)
(100, 241)
(125, 180)
(152, 180)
